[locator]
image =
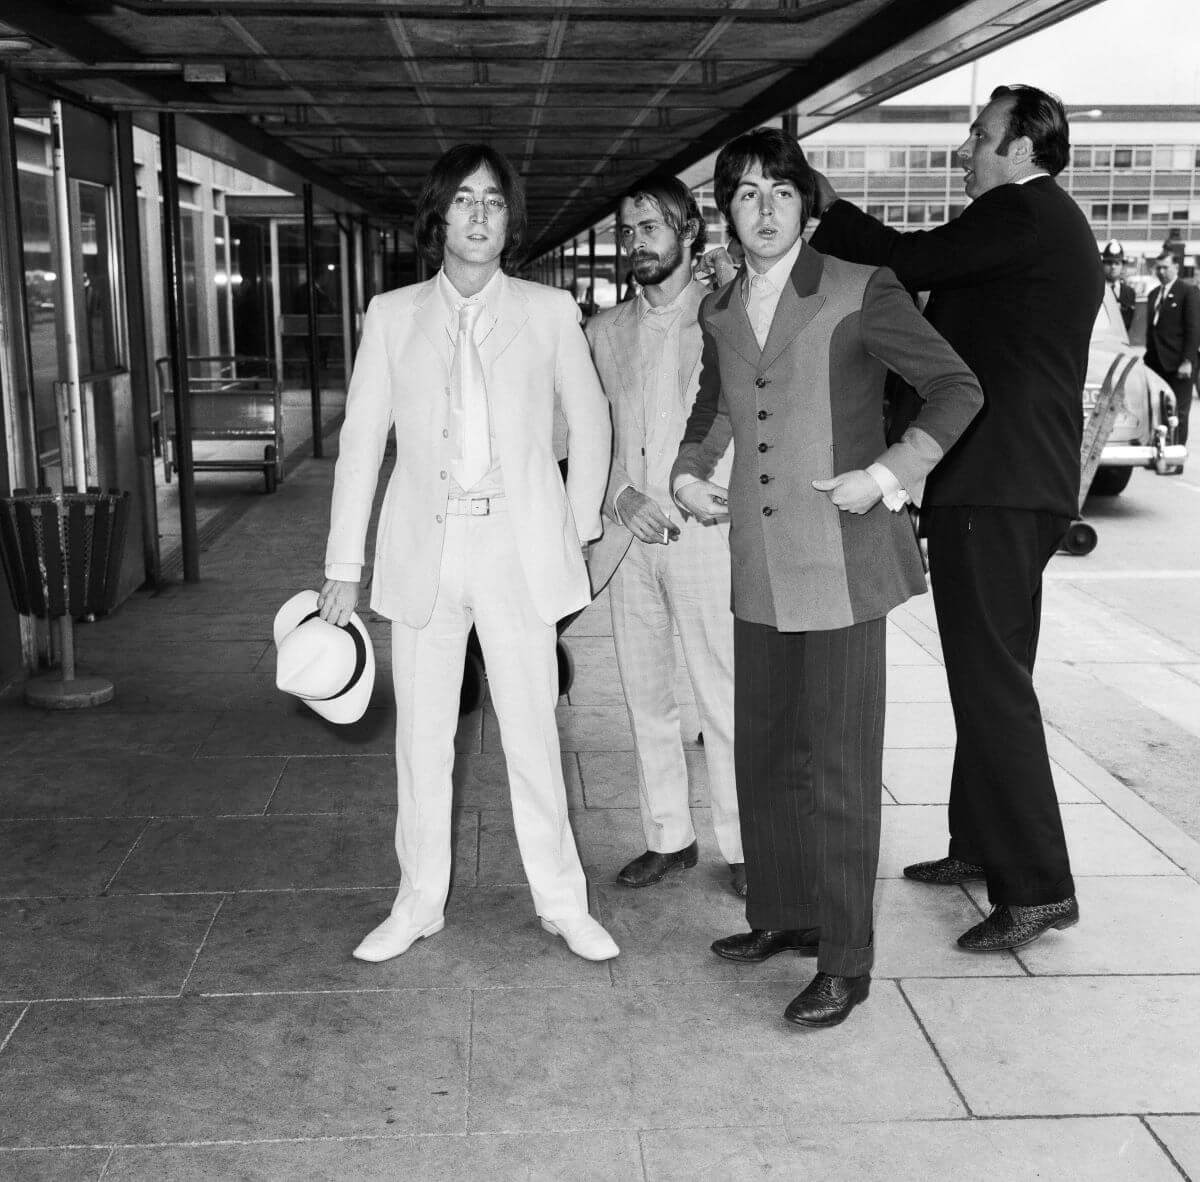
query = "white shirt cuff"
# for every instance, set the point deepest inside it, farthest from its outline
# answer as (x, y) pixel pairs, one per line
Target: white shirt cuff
(894, 497)
(344, 572)
(682, 481)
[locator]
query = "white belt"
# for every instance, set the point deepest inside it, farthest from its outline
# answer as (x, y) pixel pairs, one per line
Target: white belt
(475, 506)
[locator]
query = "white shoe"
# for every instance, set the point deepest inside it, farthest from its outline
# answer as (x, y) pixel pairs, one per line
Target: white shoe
(584, 937)
(394, 936)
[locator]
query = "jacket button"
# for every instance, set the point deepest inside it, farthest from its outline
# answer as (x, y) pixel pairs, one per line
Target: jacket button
(445, 434)
(763, 479)
(763, 446)
(439, 517)
(760, 382)
(767, 510)
(762, 414)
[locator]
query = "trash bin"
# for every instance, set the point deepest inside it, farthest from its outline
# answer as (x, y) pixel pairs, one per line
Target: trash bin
(62, 558)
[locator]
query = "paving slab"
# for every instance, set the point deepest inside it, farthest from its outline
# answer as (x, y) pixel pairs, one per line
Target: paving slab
(301, 941)
(1039, 1046)
(1100, 843)
(916, 683)
(918, 724)
(336, 784)
(1181, 1136)
(63, 857)
(556, 1059)
(292, 729)
(903, 650)
(921, 775)
(1118, 1149)
(201, 1069)
(1128, 926)
(498, 1157)
(108, 947)
(601, 728)
(102, 734)
(277, 852)
(53, 1165)
(124, 785)
(610, 778)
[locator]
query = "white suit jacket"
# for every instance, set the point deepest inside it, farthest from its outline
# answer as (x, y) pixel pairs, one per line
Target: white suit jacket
(612, 335)
(535, 351)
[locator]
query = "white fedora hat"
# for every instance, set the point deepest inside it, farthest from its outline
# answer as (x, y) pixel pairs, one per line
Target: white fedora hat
(330, 669)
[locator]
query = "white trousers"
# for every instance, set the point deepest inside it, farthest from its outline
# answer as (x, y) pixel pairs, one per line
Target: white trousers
(482, 584)
(656, 590)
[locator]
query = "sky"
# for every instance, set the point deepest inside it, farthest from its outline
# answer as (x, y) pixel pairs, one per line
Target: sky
(1118, 51)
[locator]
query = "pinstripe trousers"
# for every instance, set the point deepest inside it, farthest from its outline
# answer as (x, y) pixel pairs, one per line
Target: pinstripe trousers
(808, 745)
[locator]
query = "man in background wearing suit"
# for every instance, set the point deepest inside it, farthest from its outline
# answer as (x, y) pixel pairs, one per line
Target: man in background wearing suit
(793, 365)
(1015, 285)
(1173, 335)
(1112, 258)
(476, 528)
(671, 573)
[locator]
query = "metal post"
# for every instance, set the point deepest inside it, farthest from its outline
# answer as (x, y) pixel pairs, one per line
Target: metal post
(70, 450)
(616, 233)
(172, 236)
(592, 268)
(139, 373)
(314, 348)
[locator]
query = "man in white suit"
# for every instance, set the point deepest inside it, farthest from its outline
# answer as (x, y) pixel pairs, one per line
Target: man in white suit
(671, 572)
(476, 529)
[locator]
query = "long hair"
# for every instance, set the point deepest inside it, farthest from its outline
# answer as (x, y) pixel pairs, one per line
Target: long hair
(778, 155)
(443, 181)
(677, 205)
(1041, 117)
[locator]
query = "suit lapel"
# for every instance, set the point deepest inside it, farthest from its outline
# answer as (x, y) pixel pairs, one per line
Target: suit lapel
(690, 343)
(429, 315)
(513, 312)
(729, 318)
(799, 302)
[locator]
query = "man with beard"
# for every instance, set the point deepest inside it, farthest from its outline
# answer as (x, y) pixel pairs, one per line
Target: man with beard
(671, 572)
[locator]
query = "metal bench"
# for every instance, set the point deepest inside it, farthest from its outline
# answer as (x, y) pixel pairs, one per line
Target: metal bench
(232, 399)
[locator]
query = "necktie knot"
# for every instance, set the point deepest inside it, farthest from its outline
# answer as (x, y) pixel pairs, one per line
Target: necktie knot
(468, 316)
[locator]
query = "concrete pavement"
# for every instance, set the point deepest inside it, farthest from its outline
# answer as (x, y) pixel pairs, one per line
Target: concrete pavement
(184, 872)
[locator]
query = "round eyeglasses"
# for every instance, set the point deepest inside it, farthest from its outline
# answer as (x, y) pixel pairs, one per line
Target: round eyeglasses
(463, 204)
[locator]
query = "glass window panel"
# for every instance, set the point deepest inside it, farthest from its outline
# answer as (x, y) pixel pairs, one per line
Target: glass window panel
(1123, 158)
(877, 211)
(918, 158)
(897, 157)
(956, 208)
(855, 158)
(877, 159)
(1142, 157)
(222, 281)
(939, 158)
(39, 241)
(97, 322)
(937, 213)
(837, 157)
(1139, 211)
(895, 214)
(915, 215)
(1120, 210)
(1082, 157)
(1181, 159)
(1162, 157)
(1100, 211)
(1102, 158)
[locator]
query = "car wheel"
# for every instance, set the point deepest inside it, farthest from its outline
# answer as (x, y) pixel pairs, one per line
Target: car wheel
(1110, 482)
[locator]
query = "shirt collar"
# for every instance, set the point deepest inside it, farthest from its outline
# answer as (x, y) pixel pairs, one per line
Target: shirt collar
(777, 274)
(1033, 176)
(489, 296)
(645, 308)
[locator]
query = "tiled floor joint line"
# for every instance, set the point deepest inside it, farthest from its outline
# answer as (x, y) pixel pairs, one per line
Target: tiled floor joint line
(13, 1030)
(203, 941)
(962, 1099)
(128, 854)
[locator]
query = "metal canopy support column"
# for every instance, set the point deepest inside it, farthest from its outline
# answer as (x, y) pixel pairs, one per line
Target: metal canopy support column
(591, 291)
(616, 233)
(139, 372)
(173, 289)
(314, 349)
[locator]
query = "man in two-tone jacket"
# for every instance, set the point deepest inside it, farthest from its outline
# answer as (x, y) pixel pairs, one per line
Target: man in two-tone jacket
(795, 350)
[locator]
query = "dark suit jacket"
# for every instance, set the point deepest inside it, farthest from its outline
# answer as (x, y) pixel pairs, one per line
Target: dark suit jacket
(1176, 337)
(1126, 301)
(808, 406)
(1015, 285)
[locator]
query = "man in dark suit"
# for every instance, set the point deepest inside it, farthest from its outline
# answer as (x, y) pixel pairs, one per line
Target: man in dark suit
(1015, 285)
(1173, 335)
(792, 365)
(1112, 258)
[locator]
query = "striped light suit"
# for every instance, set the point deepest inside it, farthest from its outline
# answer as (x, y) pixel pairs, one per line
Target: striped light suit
(812, 585)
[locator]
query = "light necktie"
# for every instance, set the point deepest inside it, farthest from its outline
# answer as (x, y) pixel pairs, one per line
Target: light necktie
(1162, 299)
(755, 308)
(469, 402)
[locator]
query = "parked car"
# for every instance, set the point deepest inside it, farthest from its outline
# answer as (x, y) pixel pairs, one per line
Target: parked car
(1144, 434)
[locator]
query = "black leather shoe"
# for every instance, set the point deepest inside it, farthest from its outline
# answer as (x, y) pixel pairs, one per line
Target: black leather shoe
(759, 944)
(737, 879)
(827, 1000)
(1010, 926)
(652, 867)
(944, 872)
